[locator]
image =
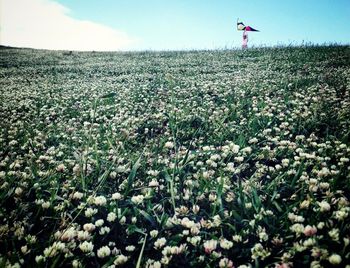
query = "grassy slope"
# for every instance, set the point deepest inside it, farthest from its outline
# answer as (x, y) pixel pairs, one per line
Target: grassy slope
(97, 124)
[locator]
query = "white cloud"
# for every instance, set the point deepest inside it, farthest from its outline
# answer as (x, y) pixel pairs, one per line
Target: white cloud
(46, 24)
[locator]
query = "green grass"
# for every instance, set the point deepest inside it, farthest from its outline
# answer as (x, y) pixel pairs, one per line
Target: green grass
(175, 159)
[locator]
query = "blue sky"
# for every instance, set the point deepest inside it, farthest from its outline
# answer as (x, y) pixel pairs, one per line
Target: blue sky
(208, 24)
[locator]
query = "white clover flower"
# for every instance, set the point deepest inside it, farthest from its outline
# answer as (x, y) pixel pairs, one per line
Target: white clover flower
(195, 209)
(226, 244)
(39, 259)
(285, 162)
(195, 229)
(169, 145)
(195, 240)
(248, 205)
(342, 146)
(320, 225)
(2, 174)
(78, 195)
(104, 230)
(216, 220)
(39, 201)
(324, 206)
(121, 169)
(153, 173)
(310, 230)
(176, 250)
(263, 236)
(31, 239)
(340, 215)
(225, 263)
(278, 167)
(239, 159)
(153, 233)
(237, 238)
(68, 234)
(300, 137)
(111, 217)
(89, 212)
(230, 167)
(297, 228)
(76, 169)
(258, 251)
(323, 172)
(199, 164)
(103, 252)
(99, 222)
(113, 175)
(153, 183)
(18, 191)
(313, 181)
(335, 259)
(86, 247)
(61, 168)
(324, 185)
(334, 234)
(83, 235)
(215, 157)
(206, 175)
(121, 259)
(185, 232)
(253, 140)
(159, 243)
(89, 227)
(212, 197)
(46, 205)
(210, 245)
(90, 200)
(344, 160)
(76, 264)
(187, 223)
(122, 220)
(100, 200)
(247, 150)
(206, 148)
(234, 148)
(343, 202)
(130, 248)
(134, 219)
(24, 249)
(309, 242)
(295, 218)
(116, 196)
(53, 250)
(138, 199)
(156, 264)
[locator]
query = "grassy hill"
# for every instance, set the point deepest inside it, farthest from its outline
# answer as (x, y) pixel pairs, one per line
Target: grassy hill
(175, 159)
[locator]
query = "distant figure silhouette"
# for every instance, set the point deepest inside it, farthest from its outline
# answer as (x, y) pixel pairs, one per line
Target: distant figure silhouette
(245, 40)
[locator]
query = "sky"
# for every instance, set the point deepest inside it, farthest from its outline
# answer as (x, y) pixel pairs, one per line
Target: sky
(112, 25)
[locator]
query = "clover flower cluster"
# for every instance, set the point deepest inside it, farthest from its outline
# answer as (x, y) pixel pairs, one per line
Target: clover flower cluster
(175, 159)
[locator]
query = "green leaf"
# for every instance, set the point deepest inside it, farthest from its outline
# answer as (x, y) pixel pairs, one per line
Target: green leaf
(297, 175)
(256, 199)
(148, 217)
(132, 175)
(277, 206)
(138, 264)
(109, 95)
(172, 192)
(236, 215)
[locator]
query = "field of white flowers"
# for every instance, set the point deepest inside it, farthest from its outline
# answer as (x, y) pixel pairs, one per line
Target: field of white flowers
(175, 159)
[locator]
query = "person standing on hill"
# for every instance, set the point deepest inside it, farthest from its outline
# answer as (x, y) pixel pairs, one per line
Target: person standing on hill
(245, 40)
(245, 29)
